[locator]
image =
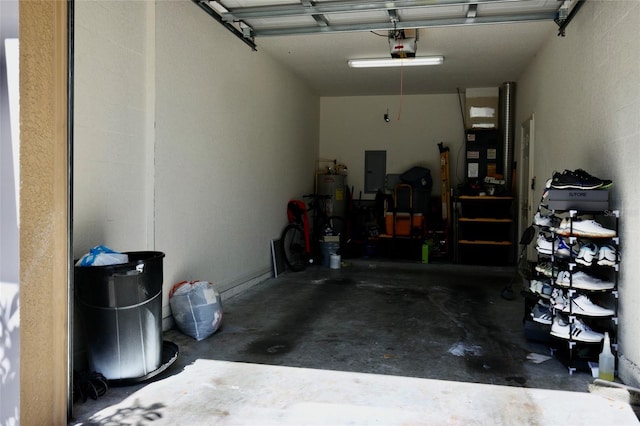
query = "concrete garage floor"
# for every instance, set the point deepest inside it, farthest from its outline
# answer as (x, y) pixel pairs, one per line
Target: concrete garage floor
(403, 342)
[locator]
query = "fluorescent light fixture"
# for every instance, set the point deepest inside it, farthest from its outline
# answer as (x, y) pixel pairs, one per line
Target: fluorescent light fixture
(396, 62)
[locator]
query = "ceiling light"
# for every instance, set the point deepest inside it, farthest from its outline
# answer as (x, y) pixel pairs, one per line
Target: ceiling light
(396, 62)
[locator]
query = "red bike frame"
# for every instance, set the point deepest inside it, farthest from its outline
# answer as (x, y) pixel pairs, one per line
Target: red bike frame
(297, 213)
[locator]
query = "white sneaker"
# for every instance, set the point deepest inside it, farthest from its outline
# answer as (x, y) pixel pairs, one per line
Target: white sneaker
(557, 300)
(540, 288)
(545, 246)
(545, 194)
(582, 305)
(582, 281)
(556, 247)
(583, 228)
(564, 250)
(607, 256)
(542, 220)
(562, 227)
(586, 254)
(576, 331)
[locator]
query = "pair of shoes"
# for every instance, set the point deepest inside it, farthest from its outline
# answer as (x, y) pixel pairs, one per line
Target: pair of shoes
(583, 281)
(578, 179)
(557, 247)
(579, 305)
(606, 255)
(540, 288)
(587, 253)
(574, 331)
(583, 228)
(547, 269)
(541, 313)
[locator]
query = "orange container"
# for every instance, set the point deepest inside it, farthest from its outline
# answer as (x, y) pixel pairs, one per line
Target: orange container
(403, 223)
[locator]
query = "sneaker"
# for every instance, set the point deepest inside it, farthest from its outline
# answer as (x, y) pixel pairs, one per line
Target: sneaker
(542, 314)
(587, 254)
(557, 247)
(563, 250)
(583, 228)
(557, 299)
(608, 256)
(576, 331)
(543, 221)
(540, 288)
(545, 194)
(582, 281)
(547, 269)
(563, 226)
(544, 245)
(582, 305)
(586, 177)
(572, 180)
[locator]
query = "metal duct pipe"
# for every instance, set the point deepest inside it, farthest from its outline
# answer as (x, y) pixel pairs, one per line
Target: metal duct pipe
(507, 125)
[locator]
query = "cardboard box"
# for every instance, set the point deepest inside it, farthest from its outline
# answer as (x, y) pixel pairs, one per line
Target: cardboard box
(482, 108)
(577, 199)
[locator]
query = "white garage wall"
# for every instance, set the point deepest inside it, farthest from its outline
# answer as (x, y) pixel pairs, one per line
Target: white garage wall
(186, 141)
(112, 136)
(585, 92)
(236, 137)
(351, 125)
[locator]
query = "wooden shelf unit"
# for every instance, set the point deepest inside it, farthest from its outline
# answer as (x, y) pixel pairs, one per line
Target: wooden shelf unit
(484, 229)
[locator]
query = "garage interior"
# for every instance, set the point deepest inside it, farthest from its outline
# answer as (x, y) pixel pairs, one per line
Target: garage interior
(189, 142)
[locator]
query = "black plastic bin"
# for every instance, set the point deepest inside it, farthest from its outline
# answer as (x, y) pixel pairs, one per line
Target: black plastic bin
(121, 310)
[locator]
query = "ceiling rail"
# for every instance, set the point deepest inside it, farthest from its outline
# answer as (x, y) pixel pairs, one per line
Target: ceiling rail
(388, 26)
(245, 37)
(563, 23)
(279, 11)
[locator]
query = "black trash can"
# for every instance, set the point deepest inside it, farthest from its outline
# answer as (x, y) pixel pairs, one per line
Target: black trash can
(121, 310)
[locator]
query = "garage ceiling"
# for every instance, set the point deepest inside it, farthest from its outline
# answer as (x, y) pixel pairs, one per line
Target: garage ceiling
(484, 42)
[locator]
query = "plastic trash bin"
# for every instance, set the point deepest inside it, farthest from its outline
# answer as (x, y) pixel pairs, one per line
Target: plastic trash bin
(121, 311)
(327, 250)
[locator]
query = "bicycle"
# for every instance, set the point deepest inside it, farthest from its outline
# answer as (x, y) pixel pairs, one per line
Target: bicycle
(300, 245)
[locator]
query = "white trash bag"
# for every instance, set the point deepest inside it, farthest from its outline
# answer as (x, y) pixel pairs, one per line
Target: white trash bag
(196, 307)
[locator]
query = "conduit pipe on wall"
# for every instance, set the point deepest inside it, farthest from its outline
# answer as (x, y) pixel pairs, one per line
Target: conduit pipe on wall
(507, 125)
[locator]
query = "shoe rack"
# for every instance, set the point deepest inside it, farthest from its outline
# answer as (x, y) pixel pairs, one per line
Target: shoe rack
(577, 281)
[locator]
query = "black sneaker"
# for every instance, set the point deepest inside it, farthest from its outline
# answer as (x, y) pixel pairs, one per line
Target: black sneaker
(572, 180)
(586, 177)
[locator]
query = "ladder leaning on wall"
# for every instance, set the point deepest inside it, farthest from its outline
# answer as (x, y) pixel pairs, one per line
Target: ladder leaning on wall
(445, 192)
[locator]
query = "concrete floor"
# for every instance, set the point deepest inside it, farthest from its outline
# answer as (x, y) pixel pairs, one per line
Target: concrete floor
(373, 319)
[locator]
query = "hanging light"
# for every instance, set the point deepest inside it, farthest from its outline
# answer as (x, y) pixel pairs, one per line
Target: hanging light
(396, 62)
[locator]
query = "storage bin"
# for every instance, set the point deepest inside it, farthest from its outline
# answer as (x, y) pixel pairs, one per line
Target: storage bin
(403, 223)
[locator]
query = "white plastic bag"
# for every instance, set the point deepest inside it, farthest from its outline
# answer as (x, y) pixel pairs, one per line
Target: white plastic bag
(102, 256)
(196, 307)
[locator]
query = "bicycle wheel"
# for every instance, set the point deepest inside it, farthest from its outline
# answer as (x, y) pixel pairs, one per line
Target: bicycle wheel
(293, 245)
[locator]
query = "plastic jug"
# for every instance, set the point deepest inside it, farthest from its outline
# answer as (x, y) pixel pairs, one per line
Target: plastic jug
(606, 361)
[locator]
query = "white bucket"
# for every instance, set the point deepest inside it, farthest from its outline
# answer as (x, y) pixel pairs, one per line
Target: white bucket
(334, 263)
